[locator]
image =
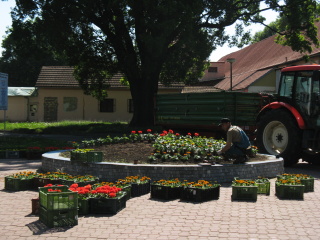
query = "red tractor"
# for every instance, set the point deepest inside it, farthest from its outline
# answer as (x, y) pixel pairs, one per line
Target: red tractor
(289, 126)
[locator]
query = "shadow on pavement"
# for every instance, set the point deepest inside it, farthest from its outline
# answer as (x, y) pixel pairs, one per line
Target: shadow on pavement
(38, 228)
(304, 168)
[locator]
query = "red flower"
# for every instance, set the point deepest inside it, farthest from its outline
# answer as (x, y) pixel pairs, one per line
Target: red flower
(170, 131)
(52, 190)
(75, 185)
(149, 130)
(139, 132)
(112, 194)
(196, 134)
(189, 134)
(133, 132)
(177, 134)
(48, 185)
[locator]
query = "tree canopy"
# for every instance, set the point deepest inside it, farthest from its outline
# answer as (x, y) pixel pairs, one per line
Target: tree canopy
(152, 41)
(277, 26)
(25, 52)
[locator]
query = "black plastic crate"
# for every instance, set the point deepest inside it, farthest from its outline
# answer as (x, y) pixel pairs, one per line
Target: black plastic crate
(138, 190)
(107, 205)
(200, 195)
(165, 192)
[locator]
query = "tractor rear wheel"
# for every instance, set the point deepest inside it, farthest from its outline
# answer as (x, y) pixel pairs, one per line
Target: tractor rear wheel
(278, 134)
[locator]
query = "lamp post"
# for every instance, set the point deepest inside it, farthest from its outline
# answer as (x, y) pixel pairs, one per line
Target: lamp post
(231, 60)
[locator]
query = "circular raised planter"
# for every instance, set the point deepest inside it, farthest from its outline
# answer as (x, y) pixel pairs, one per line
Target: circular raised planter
(221, 173)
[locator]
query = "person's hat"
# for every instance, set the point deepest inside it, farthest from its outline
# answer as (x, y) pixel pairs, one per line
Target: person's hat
(224, 120)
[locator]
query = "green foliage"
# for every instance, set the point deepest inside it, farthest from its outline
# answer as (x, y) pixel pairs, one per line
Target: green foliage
(270, 30)
(25, 52)
(153, 41)
(66, 127)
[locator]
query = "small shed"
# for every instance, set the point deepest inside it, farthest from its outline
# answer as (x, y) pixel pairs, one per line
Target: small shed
(22, 104)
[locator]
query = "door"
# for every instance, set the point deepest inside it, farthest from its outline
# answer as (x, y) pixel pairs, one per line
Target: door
(50, 109)
(33, 112)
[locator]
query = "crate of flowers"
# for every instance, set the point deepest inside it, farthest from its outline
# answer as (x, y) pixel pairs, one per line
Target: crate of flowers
(81, 180)
(125, 186)
(20, 181)
(306, 180)
(166, 189)
(58, 218)
(139, 185)
(86, 156)
(243, 189)
(43, 179)
(83, 197)
(200, 191)
(57, 198)
(290, 188)
(263, 185)
(107, 200)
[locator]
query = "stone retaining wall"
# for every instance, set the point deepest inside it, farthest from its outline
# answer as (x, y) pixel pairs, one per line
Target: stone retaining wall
(113, 171)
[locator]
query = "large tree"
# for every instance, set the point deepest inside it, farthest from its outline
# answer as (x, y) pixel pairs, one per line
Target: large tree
(25, 52)
(152, 41)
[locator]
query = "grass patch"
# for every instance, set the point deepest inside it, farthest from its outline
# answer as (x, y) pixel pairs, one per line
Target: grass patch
(74, 128)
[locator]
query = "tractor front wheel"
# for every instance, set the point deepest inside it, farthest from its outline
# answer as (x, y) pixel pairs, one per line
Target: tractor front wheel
(278, 134)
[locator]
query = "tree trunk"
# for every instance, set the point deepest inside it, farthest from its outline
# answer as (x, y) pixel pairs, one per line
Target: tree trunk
(143, 92)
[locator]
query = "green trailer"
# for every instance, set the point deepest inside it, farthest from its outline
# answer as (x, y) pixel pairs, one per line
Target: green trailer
(203, 111)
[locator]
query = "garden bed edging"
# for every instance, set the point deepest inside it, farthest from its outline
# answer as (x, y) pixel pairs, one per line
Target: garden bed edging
(222, 173)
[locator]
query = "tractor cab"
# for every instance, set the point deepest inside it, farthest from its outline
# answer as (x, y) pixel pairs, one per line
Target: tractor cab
(299, 87)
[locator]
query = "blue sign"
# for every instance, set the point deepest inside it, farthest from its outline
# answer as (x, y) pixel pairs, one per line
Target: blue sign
(3, 91)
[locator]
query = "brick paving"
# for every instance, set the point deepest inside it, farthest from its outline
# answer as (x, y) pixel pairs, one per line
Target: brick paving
(145, 218)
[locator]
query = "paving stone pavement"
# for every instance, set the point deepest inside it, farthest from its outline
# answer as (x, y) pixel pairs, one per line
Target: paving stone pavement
(145, 218)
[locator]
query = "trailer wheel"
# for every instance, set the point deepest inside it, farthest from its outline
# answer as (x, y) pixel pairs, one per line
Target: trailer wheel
(278, 134)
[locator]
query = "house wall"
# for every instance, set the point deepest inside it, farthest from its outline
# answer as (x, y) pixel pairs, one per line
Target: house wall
(265, 84)
(87, 106)
(17, 109)
(220, 66)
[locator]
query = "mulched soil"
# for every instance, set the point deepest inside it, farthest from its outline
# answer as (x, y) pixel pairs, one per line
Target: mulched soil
(128, 152)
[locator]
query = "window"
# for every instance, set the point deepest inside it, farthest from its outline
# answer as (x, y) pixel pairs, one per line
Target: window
(70, 104)
(107, 105)
(212, 69)
(286, 85)
(130, 106)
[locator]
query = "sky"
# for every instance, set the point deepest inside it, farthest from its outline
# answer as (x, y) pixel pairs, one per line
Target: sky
(5, 22)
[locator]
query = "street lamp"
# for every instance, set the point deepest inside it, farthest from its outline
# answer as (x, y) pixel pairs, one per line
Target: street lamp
(231, 60)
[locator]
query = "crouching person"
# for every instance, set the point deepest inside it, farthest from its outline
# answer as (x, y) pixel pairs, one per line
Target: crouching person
(237, 142)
